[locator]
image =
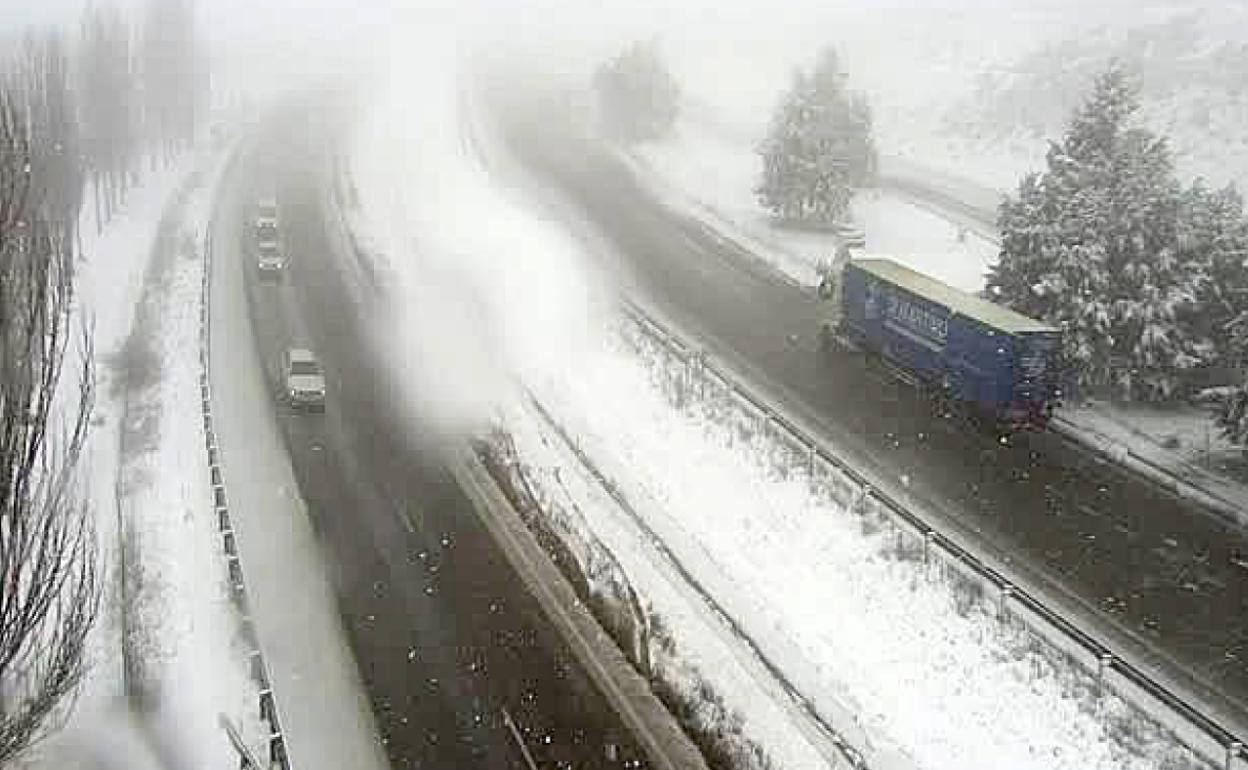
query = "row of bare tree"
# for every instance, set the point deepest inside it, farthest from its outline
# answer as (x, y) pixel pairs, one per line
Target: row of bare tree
(78, 114)
(97, 104)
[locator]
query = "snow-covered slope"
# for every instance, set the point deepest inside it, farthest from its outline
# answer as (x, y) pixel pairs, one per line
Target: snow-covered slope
(825, 593)
(976, 89)
(1187, 61)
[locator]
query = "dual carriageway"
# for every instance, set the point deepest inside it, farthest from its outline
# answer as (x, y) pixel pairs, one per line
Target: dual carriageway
(454, 654)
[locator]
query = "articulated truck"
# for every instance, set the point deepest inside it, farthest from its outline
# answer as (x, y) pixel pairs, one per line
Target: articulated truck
(999, 363)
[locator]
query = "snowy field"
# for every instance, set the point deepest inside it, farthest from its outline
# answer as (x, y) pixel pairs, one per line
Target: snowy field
(139, 282)
(712, 176)
(691, 650)
(971, 90)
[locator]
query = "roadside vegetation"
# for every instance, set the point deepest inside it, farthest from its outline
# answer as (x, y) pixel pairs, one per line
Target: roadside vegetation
(819, 148)
(76, 115)
(637, 630)
(1146, 277)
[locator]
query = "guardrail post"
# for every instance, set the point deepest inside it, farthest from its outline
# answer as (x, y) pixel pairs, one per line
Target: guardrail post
(1103, 661)
(859, 505)
(928, 538)
(704, 389)
(277, 750)
(267, 711)
(1232, 753)
(812, 457)
(1003, 603)
(258, 673)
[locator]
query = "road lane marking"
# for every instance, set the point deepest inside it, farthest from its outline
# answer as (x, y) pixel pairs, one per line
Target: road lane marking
(515, 733)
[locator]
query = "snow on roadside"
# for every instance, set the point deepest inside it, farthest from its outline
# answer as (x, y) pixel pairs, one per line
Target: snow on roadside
(712, 175)
(193, 661)
(689, 650)
(707, 173)
(862, 627)
(144, 463)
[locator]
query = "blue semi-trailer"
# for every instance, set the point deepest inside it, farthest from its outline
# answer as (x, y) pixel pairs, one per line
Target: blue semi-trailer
(1002, 364)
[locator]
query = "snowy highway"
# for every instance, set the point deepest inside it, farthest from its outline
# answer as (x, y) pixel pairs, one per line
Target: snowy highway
(446, 640)
(1149, 571)
(443, 633)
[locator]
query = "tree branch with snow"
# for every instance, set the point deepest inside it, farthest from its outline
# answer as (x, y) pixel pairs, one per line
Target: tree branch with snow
(49, 582)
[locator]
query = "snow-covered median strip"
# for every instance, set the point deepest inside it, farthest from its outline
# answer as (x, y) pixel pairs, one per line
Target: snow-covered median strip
(925, 664)
(711, 680)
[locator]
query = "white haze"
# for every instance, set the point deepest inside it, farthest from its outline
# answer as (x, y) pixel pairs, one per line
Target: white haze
(481, 288)
(488, 289)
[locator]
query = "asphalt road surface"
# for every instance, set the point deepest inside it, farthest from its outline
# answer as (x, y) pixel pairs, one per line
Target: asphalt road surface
(444, 634)
(1158, 570)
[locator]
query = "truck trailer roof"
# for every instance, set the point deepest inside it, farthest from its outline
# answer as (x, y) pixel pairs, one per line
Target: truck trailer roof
(988, 313)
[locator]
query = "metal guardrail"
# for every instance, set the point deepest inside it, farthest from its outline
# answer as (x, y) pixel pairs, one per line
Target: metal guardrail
(847, 752)
(1200, 733)
(267, 703)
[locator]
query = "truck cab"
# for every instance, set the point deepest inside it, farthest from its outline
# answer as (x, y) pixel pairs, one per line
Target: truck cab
(830, 288)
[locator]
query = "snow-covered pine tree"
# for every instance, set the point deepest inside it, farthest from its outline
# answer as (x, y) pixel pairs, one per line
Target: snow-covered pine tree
(1214, 233)
(819, 147)
(1214, 230)
(1091, 245)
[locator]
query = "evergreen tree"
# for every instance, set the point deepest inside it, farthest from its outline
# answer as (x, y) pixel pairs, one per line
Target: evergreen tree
(637, 95)
(1216, 229)
(1092, 245)
(819, 147)
(1214, 233)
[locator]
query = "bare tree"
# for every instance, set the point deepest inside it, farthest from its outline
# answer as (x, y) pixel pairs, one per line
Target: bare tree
(39, 84)
(49, 582)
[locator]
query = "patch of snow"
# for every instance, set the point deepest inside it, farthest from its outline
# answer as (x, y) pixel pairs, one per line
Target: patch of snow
(711, 176)
(702, 648)
(860, 625)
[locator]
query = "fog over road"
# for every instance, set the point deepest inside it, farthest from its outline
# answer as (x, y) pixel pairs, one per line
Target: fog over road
(442, 630)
